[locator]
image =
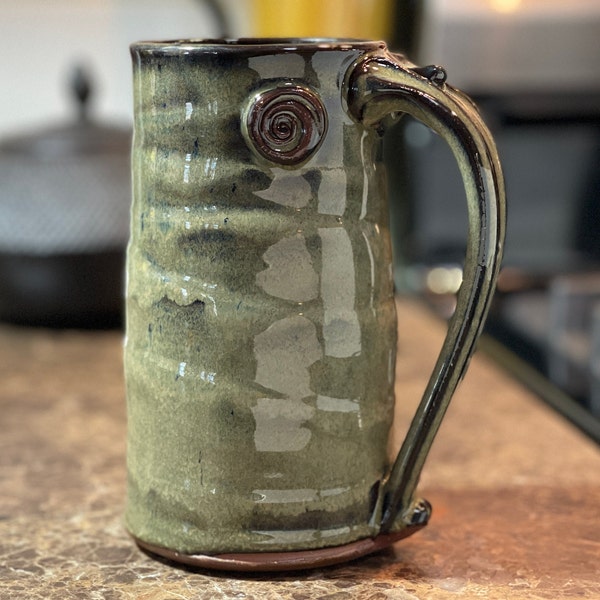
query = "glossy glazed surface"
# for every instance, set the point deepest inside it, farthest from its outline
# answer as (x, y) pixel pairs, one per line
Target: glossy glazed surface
(261, 324)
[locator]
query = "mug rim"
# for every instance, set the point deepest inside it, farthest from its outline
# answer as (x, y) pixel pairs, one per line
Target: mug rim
(256, 44)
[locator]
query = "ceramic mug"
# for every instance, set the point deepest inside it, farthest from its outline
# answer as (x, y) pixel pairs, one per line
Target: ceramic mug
(261, 325)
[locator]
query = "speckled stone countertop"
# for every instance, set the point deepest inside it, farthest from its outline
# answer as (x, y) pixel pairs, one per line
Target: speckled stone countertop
(515, 489)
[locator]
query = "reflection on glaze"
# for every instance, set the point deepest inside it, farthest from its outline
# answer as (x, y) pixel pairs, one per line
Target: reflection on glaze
(189, 109)
(290, 274)
(210, 168)
(279, 424)
(283, 353)
(284, 496)
(341, 329)
(288, 347)
(281, 65)
(391, 370)
(296, 495)
(332, 192)
(331, 152)
(275, 536)
(208, 376)
(184, 369)
(337, 404)
(340, 405)
(186, 168)
(287, 190)
(365, 191)
(372, 273)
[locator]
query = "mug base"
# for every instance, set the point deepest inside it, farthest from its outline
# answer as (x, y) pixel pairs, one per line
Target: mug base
(282, 561)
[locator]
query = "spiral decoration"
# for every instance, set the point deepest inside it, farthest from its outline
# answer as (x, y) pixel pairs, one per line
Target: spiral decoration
(286, 125)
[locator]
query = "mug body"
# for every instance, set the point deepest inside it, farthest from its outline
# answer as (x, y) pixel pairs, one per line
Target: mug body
(261, 326)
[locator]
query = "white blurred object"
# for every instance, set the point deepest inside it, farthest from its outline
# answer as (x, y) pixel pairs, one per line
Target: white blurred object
(43, 39)
(491, 46)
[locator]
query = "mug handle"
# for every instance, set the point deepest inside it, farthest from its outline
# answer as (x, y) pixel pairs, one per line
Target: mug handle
(377, 86)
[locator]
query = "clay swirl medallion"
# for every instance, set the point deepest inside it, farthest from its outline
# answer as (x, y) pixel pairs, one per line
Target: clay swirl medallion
(286, 124)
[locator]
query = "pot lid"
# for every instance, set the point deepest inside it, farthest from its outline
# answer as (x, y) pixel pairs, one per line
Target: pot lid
(66, 190)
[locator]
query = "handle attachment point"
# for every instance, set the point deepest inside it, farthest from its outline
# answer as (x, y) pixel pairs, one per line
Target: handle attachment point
(434, 73)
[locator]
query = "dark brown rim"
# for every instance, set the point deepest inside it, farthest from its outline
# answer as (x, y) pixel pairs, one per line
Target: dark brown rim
(257, 45)
(282, 561)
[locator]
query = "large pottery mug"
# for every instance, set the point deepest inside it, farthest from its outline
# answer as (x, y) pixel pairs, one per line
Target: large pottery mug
(261, 325)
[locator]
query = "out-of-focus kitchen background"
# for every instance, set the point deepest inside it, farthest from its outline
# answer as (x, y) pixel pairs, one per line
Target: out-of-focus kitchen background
(533, 66)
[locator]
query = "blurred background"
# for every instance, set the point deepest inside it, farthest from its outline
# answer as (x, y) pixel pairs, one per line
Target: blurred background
(533, 66)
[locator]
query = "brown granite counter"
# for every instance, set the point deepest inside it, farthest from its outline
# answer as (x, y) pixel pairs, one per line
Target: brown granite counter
(515, 489)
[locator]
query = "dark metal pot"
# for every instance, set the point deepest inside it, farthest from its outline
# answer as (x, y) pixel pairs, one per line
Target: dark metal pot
(64, 222)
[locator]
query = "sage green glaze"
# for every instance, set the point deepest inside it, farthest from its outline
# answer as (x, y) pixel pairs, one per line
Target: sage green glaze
(261, 326)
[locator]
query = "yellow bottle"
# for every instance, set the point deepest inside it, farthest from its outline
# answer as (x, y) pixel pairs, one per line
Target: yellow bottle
(366, 19)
